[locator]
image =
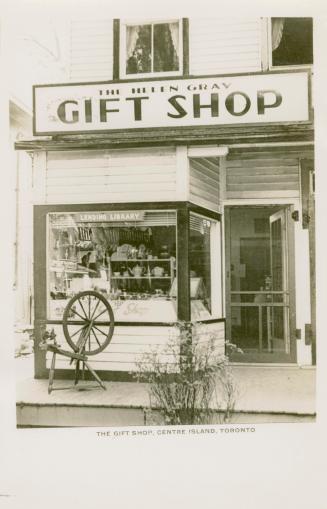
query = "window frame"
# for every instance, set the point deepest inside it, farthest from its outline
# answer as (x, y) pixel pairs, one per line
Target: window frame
(122, 49)
(272, 67)
(216, 272)
(109, 209)
(183, 210)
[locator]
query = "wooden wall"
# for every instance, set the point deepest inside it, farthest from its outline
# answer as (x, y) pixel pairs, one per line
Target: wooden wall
(91, 50)
(204, 182)
(129, 344)
(155, 174)
(252, 175)
(117, 176)
(219, 45)
(216, 46)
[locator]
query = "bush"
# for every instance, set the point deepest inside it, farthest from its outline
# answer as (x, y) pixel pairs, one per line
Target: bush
(189, 381)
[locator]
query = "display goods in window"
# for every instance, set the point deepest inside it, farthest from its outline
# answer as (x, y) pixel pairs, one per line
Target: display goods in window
(131, 259)
(126, 261)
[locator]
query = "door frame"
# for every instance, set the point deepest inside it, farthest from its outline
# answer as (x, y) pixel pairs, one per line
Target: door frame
(290, 246)
(281, 215)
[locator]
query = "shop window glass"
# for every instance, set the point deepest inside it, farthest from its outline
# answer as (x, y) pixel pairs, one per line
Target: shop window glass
(291, 41)
(204, 281)
(152, 48)
(128, 256)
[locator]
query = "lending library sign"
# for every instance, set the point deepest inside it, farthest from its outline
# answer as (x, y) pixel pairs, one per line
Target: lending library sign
(104, 107)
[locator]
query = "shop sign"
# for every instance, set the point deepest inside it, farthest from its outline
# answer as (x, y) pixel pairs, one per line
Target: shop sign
(243, 99)
(103, 217)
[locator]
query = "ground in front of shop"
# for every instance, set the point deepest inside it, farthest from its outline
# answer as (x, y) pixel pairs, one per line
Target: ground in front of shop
(265, 394)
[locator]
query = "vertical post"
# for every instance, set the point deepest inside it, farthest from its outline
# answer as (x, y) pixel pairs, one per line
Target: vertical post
(186, 51)
(222, 182)
(227, 267)
(116, 49)
(296, 282)
(183, 279)
(182, 173)
(308, 222)
(265, 25)
(260, 308)
(40, 293)
(305, 192)
(312, 259)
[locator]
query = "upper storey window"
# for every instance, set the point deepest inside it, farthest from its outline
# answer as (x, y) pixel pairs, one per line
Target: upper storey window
(151, 49)
(291, 41)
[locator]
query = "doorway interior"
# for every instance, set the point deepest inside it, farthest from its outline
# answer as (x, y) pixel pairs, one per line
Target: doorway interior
(259, 288)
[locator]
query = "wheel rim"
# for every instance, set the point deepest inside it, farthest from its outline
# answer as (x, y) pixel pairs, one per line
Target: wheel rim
(88, 322)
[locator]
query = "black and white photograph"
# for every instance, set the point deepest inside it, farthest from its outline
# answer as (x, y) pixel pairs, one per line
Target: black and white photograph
(167, 219)
(163, 226)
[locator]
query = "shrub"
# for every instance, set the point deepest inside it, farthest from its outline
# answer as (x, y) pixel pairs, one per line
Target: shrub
(190, 382)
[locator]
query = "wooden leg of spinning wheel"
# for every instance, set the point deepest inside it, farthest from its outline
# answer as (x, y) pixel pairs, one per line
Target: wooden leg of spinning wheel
(95, 375)
(51, 373)
(76, 372)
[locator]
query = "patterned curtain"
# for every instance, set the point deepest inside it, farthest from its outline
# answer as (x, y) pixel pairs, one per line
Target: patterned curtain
(138, 47)
(165, 41)
(165, 50)
(277, 26)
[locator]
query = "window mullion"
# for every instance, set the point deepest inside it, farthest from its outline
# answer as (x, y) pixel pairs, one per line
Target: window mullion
(152, 47)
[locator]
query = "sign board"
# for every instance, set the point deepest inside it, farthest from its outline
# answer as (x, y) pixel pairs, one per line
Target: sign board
(103, 217)
(230, 100)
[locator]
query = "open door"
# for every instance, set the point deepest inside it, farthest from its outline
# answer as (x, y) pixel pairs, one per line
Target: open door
(260, 309)
(278, 319)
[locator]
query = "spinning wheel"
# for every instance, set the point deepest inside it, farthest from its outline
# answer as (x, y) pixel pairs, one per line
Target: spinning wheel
(88, 325)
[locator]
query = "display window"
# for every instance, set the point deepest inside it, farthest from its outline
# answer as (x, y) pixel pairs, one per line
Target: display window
(205, 281)
(131, 258)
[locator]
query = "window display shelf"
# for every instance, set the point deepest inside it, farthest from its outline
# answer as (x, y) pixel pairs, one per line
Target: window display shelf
(141, 260)
(70, 271)
(133, 278)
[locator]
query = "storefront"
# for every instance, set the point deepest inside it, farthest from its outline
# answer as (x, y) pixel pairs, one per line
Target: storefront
(176, 200)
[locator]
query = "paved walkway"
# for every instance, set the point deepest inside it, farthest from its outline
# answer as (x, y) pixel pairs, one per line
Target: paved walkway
(270, 389)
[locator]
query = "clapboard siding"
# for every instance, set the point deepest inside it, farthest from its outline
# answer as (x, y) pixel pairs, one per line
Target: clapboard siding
(91, 51)
(111, 176)
(216, 45)
(129, 344)
(254, 176)
(220, 45)
(204, 182)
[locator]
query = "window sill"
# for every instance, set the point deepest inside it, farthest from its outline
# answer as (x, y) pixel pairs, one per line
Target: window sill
(299, 67)
(151, 76)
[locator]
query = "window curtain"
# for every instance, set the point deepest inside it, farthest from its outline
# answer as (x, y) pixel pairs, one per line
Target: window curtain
(174, 31)
(166, 47)
(277, 26)
(131, 38)
(138, 49)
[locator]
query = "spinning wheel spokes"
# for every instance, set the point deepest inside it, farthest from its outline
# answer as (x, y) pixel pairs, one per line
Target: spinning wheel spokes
(85, 314)
(96, 337)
